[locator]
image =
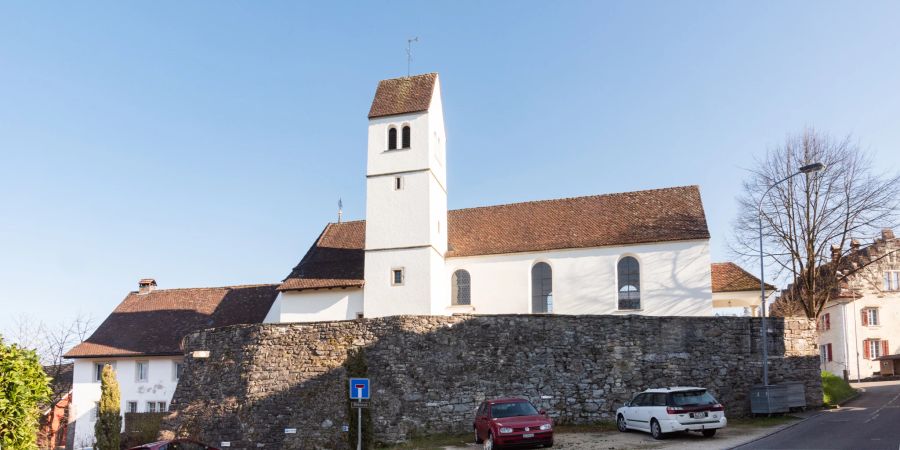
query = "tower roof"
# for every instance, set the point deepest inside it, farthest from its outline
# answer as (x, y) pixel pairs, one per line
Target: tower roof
(403, 95)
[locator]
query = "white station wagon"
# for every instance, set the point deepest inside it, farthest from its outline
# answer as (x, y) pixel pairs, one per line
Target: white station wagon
(665, 410)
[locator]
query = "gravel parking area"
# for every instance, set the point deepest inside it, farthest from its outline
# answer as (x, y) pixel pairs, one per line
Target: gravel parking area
(726, 438)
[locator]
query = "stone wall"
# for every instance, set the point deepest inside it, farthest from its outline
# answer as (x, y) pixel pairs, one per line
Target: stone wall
(429, 373)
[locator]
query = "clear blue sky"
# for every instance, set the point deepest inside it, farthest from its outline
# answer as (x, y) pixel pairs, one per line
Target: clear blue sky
(207, 143)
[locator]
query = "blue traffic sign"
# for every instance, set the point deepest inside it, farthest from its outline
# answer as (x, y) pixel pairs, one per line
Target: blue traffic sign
(359, 389)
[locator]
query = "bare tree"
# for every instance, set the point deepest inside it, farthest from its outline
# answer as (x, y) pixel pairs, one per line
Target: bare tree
(806, 215)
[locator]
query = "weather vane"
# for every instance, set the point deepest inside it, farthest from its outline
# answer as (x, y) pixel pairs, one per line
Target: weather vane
(409, 54)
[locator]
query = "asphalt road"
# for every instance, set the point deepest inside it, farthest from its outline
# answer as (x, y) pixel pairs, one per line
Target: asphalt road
(870, 422)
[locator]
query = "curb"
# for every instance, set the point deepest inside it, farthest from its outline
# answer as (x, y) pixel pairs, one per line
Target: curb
(859, 391)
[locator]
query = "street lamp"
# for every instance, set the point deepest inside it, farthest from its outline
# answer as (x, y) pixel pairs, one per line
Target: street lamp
(807, 169)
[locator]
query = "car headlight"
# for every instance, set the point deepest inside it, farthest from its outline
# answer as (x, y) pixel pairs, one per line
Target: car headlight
(545, 427)
(505, 430)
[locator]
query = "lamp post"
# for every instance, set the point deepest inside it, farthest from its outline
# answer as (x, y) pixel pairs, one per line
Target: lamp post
(809, 168)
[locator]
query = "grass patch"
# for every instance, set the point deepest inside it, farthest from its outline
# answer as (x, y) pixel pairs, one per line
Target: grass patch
(433, 441)
(761, 421)
(836, 389)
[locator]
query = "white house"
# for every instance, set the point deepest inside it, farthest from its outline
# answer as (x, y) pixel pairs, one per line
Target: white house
(859, 329)
(643, 252)
(141, 339)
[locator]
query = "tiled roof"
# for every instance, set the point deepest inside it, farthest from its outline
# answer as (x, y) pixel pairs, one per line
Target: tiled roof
(729, 277)
(154, 323)
(659, 215)
(403, 95)
(336, 259)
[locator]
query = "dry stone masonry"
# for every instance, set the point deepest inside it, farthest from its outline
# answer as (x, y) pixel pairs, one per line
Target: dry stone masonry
(429, 373)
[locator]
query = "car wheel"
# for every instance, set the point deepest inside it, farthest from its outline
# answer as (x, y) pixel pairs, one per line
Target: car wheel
(655, 430)
(478, 440)
(621, 425)
(709, 433)
(489, 443)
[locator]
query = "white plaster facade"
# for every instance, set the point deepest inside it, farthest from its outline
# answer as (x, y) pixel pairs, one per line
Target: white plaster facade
(158, 387)
(316, 306)
(875, 292)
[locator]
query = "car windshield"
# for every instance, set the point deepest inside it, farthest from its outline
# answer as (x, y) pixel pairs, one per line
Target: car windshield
(513, 409)
(693, 398)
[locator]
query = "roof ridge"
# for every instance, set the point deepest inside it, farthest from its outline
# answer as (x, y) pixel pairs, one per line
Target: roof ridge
(579, 197)
(235, 286)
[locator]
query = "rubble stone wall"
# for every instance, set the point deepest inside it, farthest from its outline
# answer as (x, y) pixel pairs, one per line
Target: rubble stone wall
(429, 373)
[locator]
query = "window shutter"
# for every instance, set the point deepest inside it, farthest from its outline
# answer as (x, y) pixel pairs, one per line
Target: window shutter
(866, 353)
(865, 318)
(885, 348)
(829, 353)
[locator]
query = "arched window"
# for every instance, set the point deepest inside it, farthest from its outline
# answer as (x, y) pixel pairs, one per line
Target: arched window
(629, 283)
(392, 138)
(541, 288)
(405, 136)
(462, 288)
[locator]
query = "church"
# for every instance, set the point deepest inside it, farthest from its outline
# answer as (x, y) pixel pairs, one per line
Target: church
(644, 252)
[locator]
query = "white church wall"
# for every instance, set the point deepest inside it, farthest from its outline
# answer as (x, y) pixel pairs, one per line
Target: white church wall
(675, 280)
(159, 387)
(399, 217)
(316, 305)
(382, 298)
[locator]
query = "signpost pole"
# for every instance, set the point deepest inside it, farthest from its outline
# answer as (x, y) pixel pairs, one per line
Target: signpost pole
(359, 420)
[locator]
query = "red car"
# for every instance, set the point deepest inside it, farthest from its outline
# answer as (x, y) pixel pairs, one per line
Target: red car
(175, 444)
(512, 422)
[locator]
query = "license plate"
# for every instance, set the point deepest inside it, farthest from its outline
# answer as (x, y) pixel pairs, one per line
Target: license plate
(699, 415)
(528, 435)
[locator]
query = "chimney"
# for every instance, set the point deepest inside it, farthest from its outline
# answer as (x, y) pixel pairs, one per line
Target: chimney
(887, 234)
(146, 285)
(835, 253)
(854, 246)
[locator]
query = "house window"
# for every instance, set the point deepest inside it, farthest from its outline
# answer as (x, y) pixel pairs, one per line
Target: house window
(826, 355)
(132, 407)
(177, 369)
(462, 288)
(541, 288)
(141, 371)
(359, 315)
(95, 413)
(825, 322)
(397, 277)
(892, 280)
(98, 369)
(398, 183)
(405, 137)
(875, 348)
(161, 406)
(151, 407)
(629, 273)
(870, 317)
(392, 138)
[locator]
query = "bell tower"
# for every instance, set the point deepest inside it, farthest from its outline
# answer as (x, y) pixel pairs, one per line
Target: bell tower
(406, 199)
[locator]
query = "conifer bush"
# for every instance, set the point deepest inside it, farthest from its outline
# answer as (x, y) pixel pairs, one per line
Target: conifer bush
(109, 420)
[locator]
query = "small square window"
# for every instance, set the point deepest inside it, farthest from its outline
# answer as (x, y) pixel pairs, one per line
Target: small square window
(398, 183)
(151, 407)
(359, 315)
(95, 413)
(177, 369)
(397, 277)
(132, 407)
(161, 406)
(98, 369)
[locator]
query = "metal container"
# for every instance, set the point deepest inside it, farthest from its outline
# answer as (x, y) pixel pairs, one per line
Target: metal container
(771, 399)
(796, 394)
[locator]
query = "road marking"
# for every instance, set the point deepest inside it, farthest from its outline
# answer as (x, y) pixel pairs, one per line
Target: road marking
(875, 414)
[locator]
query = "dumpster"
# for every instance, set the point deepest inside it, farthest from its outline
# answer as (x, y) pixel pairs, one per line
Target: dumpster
(796, 395)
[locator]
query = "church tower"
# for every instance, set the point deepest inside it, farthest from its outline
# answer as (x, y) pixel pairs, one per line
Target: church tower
(406, 199)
